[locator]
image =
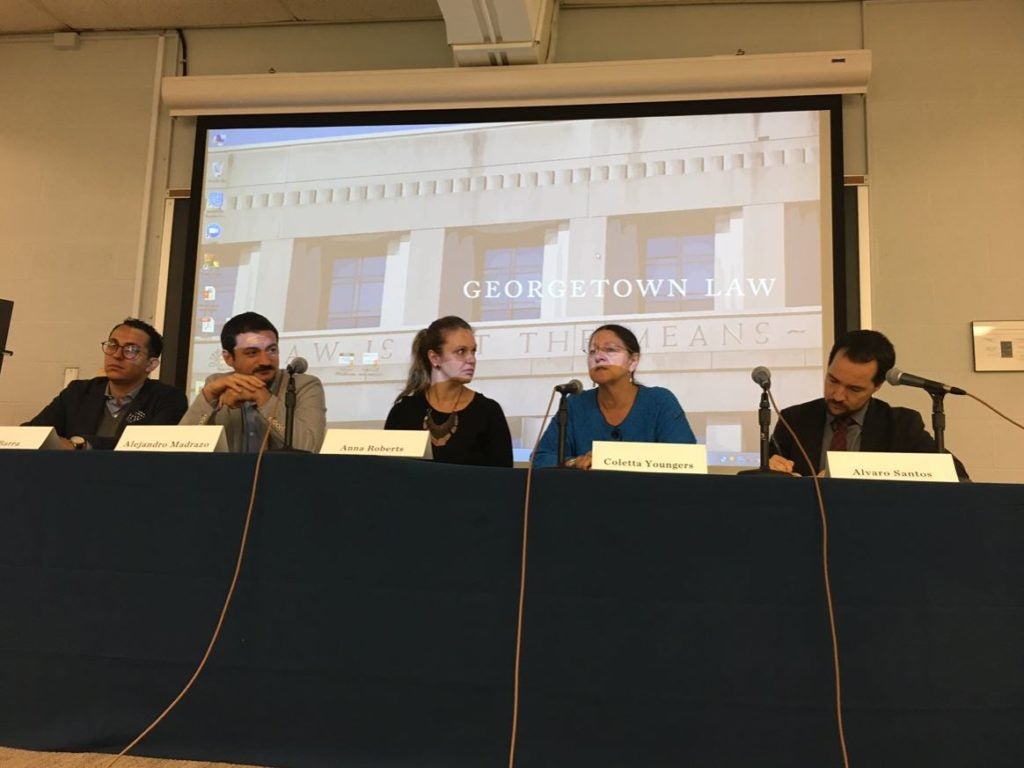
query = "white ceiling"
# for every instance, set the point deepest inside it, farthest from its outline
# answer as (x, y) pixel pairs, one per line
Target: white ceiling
(44, 16)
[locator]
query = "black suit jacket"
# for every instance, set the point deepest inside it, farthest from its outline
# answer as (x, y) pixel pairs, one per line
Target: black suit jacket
(886, 429)
(78, 410)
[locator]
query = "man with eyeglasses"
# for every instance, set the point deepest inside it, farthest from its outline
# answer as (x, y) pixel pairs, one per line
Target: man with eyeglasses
(250, 401)
(94, 413)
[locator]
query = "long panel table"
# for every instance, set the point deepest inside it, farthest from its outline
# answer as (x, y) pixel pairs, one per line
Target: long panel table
(669, 620)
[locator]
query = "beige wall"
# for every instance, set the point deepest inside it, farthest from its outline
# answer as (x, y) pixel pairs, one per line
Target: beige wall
(75, 132)
(82, 144)
(945, 117)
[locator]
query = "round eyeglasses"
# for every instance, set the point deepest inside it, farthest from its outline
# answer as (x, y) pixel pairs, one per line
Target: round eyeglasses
(609, 351)
(130, 351)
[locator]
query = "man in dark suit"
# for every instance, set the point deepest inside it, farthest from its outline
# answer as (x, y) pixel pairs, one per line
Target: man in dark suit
(94, 413)
(849, 417)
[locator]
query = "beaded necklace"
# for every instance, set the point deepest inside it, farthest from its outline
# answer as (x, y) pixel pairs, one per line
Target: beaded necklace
(441, 433)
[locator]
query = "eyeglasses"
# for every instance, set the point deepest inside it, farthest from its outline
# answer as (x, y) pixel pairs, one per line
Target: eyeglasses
(130, 351)
(605, 350)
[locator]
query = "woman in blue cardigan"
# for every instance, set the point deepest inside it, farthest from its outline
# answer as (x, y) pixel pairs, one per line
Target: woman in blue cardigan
(618, 408)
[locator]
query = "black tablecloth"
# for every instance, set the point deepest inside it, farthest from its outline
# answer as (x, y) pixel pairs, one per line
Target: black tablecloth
(669, 620)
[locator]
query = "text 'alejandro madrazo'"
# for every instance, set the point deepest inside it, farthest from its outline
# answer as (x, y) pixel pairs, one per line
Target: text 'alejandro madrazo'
(142, 445)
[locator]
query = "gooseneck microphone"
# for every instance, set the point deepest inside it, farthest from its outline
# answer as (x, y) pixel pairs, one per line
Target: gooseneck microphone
(297, 365)
(573, 387)
(762, 377)
(896, 377)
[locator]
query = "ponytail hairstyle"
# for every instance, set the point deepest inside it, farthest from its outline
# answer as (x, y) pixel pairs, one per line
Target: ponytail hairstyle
(430, 339)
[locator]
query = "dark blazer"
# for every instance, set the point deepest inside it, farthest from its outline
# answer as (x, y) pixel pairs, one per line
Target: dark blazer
(78, 410)
(886, 429)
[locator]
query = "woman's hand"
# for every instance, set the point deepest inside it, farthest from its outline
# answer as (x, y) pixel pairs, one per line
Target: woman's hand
(582, 461)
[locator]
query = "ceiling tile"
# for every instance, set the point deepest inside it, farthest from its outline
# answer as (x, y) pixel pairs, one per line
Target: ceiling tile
(28, 16)
(161, 14)
(23, 16)
(363, 10)
(40, 16)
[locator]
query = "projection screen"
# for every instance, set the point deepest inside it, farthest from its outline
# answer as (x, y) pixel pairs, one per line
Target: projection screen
(706, 229)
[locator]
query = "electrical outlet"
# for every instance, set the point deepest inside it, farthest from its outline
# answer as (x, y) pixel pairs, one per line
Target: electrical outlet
(70, 374)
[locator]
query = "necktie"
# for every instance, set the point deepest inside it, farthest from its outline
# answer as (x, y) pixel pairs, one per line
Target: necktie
(251, 438)
(839, 427)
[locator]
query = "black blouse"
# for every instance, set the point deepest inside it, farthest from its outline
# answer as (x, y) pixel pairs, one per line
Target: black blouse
(482, 437)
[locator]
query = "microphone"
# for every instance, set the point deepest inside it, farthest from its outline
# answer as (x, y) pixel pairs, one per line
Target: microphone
(573, 387)
(896, 377)
(762, 377)
(297, 365)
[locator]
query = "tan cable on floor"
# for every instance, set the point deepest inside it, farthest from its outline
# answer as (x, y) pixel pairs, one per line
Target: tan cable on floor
(227, 599)
(522, 589)
(827, 579)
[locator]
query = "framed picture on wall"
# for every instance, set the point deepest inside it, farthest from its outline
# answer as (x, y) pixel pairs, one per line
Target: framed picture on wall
(998, 345)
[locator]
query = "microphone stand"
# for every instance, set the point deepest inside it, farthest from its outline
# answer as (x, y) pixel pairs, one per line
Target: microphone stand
(562, 417)
(289, 417)
(938, 420)
(289, 412)
(764, 421)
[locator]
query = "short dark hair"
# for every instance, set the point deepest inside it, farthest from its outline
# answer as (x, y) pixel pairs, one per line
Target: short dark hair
(865, 347)
(247, 322)
(155, 345)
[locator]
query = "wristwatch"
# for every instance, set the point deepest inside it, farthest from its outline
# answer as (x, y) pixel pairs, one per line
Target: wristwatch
(78, 442)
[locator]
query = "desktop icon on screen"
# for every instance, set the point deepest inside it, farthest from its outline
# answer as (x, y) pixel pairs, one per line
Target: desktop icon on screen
(214, 201)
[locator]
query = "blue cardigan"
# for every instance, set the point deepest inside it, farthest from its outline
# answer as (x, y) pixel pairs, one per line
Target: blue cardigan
(656, 417)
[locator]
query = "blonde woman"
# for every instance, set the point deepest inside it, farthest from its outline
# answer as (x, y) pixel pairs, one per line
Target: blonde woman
(465, 426)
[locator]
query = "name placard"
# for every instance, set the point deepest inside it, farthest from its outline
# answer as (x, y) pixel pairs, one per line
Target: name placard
(29, 438)
(867, 465)
(173, 439)
(407, 443)
(650, 457)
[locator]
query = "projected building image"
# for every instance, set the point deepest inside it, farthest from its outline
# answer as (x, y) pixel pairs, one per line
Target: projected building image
(704, 234)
